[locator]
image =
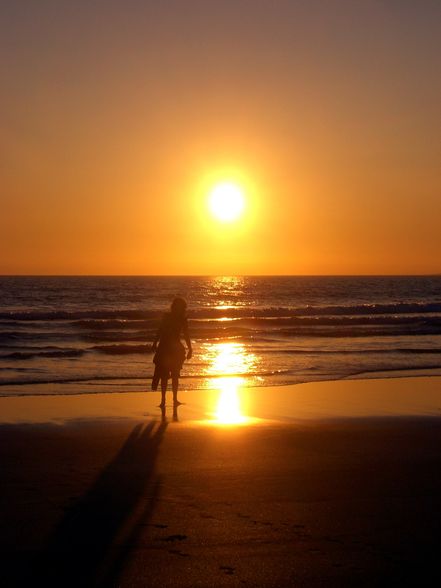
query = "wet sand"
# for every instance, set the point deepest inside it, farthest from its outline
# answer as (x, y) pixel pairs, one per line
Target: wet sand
(316, 496)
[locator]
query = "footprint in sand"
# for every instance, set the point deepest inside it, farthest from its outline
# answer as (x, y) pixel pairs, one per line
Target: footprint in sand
(177, 552)
(175, 538)
(227, 570)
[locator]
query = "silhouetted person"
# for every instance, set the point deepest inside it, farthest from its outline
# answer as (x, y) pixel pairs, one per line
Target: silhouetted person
(169, 351)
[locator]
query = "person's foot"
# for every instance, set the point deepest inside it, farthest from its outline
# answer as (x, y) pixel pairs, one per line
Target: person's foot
(162, 405)
(177, 403)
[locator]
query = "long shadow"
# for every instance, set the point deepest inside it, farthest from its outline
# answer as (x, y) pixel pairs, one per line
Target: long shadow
(91, 543)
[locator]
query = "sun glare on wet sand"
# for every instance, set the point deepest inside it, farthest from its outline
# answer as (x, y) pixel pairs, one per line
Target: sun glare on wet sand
(232, 363)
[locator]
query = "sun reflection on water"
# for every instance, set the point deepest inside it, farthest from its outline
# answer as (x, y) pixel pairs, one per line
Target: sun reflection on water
(229, 359)
(229, 363)
(227, 292)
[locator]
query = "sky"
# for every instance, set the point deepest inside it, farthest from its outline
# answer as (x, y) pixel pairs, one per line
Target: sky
(118, 118)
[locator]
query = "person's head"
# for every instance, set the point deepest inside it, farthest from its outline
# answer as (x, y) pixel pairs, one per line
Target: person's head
(178, 307)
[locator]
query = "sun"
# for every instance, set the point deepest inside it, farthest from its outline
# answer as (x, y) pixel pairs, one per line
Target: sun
(226, 202)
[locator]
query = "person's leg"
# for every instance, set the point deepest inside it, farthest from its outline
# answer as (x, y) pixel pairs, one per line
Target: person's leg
(175, 387)
(164, 382)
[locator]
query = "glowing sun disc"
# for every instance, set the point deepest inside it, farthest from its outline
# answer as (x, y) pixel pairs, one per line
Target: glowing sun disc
(226, 202)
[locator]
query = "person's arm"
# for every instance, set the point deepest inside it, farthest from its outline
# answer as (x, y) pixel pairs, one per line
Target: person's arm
(187, 340)
(157, 338)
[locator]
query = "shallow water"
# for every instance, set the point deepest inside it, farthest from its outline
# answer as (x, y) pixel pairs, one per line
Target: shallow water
(71, 335)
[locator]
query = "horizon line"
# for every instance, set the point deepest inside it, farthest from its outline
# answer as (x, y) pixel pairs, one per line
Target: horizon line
(385, 275)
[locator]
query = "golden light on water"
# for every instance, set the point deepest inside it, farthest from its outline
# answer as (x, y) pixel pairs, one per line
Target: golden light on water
(229, 359)
(231, 362)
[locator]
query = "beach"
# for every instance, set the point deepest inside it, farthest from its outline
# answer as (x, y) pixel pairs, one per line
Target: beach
(318, 484)
(220, 294)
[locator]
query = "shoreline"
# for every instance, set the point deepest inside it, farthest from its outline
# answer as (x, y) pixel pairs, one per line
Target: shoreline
(418, 395)
(373, 375)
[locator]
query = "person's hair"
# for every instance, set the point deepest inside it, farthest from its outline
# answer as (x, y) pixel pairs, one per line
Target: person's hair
(178, 307)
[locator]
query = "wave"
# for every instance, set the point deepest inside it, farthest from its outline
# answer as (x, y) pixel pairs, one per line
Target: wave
(116, 336)
(267, 321)
(20, 355)
(117, 378)
(104, 324)
(284, 377)
(123, 349)
(12, 337)
(389, 350)
(65, 315)
(30, 353)
(342, 320)
(71, 380)
(256, 335)
(230, 312)
(371, 372)
(383, 331)
(145, 349)
(370, 309)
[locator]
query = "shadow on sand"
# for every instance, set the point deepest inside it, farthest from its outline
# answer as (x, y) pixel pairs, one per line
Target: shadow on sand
(91, 544)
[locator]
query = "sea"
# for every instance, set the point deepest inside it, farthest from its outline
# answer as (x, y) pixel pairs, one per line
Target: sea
(78, 335)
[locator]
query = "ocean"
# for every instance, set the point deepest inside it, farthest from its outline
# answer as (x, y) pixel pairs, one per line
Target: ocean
(76, 335)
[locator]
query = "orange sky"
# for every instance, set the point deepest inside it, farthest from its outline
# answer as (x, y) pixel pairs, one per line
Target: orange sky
(116, 115)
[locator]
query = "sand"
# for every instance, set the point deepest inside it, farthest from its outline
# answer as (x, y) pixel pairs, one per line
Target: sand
(305, 489)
